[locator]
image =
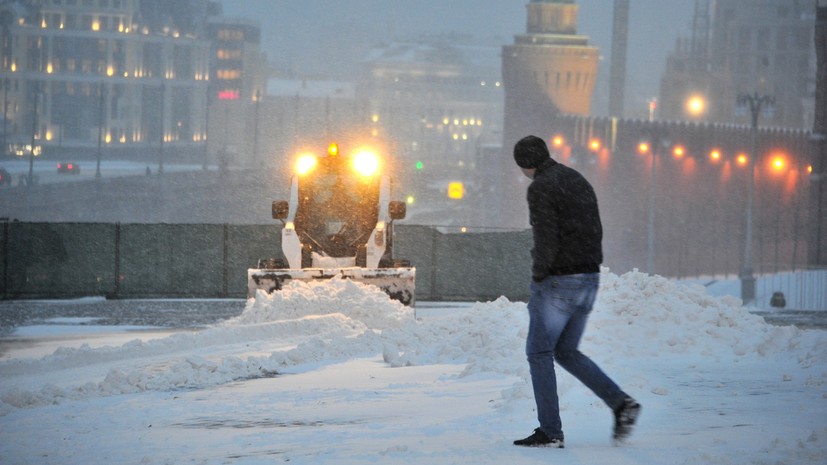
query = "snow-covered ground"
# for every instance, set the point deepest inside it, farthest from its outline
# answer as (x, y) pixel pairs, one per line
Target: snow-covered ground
(336, 373)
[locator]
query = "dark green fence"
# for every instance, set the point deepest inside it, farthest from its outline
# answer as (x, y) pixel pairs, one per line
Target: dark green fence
(62, 260)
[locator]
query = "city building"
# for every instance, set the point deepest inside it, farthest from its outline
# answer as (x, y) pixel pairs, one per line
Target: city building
(306, 114)
(743, 47)
(123, 77)
(435, 99)
(237, 75)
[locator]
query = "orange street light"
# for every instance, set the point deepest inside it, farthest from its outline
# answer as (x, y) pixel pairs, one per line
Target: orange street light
(678, 151)
(715, 155)
(778, 163)
(742, 159)
(558, 141)
(643, 148)
(595, 145)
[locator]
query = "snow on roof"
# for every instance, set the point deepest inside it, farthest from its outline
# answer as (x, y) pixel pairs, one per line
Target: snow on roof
(473, 56)
(310, 88)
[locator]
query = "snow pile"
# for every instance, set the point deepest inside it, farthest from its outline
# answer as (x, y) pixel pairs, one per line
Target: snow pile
(325, 322)
(643, 315)
(299, 299)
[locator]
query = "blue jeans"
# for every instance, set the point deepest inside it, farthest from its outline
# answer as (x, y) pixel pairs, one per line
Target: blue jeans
(558, 309)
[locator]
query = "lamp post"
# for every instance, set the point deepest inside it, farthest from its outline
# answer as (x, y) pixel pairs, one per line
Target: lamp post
(163, 129)
(755, 103)
(100, 130)
(5, 147)
(35, 123)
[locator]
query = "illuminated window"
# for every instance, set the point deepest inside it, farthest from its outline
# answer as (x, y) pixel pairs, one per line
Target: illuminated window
(228, 74)
(229, 94)
(225, 54)
(230, 34)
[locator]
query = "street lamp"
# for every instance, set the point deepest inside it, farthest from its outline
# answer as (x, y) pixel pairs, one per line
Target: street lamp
(100, 129)
(35, 123)
(5, 146)
(754, 103)
(696, 106)
(163, 129)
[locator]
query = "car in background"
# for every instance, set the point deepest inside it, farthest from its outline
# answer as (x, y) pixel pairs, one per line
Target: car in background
(68, 168)
(5, 177)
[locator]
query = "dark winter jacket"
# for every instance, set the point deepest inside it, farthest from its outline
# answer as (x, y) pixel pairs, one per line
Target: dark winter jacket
(565, 222)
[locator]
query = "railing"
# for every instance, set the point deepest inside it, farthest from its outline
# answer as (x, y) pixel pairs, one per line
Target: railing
(802, 289)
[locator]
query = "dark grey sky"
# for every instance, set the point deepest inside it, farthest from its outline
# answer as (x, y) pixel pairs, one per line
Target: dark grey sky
(323, 36)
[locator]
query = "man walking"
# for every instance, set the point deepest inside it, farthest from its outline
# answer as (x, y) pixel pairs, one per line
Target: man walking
(565, 272)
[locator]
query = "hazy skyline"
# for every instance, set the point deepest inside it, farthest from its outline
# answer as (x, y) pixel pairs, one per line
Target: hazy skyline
(328, 37)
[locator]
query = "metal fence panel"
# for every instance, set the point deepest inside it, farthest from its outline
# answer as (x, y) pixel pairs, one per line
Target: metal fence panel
(246, 244)
(58, 259)
(171, 260)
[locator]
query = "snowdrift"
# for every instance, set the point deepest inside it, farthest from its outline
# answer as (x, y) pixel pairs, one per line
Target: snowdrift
(317, 323)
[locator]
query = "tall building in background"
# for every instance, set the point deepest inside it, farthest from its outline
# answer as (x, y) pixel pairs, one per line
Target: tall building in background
(551, 61)
(237, 76)
(120, 76)
(738, 47)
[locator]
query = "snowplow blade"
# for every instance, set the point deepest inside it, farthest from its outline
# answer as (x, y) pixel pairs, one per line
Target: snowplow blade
(397, 283)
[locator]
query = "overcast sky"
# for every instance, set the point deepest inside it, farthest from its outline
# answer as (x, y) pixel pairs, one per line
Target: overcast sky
(308, 37)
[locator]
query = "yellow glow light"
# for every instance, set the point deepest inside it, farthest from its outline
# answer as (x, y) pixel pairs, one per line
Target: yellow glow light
(558, 141)
(696, 105)
(715, 155)
(366, 163)
(643, 148)
(778, 163)
(410, 200)
(809, 169)
(456, 190)
(595, 144)
(678, 151)
(742, 160)
(305, 164)
(333, 149)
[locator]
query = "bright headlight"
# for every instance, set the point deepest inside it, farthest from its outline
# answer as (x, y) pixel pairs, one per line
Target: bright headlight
(305, 164)
(366, 163)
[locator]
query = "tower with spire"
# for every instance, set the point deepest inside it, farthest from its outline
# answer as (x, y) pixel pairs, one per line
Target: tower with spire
(550, 65)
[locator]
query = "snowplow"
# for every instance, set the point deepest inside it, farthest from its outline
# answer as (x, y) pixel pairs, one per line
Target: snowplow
(338, 222)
